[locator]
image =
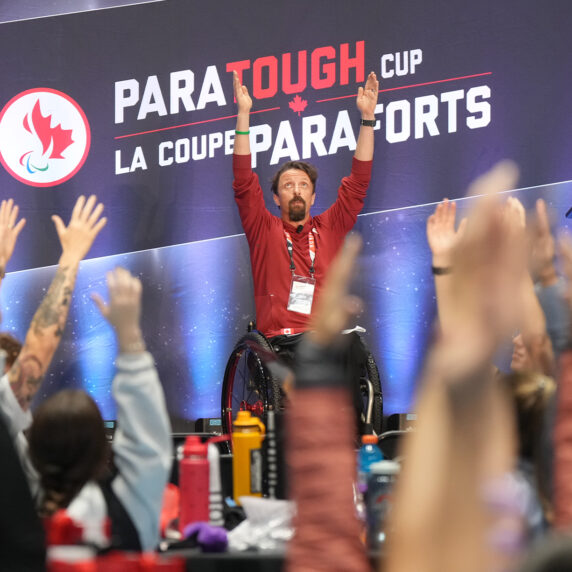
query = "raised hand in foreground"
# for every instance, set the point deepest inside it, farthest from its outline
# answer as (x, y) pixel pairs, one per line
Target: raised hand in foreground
(438, 504)
(124, 309)
(46, 328)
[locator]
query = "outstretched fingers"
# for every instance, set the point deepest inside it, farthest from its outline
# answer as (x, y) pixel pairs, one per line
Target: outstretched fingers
(335, 305)
(101, 305)
(78, 207)
(372, 84)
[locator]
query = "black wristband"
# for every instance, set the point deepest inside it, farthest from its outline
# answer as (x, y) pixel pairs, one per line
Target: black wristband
(368, 122)
(319, 366)
(441, 270)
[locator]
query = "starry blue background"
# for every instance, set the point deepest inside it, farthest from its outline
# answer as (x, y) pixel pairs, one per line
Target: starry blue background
(191, 319)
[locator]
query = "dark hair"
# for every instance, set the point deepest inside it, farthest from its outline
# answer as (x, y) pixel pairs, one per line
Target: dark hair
(68, 446)
(308, 168)
(11, 346)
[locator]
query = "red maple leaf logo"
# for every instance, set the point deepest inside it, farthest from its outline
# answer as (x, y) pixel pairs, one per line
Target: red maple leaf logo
(60, 139)
(298, 104)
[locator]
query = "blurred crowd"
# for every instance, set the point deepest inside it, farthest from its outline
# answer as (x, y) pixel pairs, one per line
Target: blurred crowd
(486, 476)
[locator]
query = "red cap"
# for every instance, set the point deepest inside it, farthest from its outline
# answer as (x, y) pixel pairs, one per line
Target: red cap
(195, 447)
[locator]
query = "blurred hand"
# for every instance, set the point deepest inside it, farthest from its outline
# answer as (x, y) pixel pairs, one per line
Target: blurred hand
(85, 223)
(441, 233)
(565, 247)
(514, 216)
(543, 250)
(490, 260)
(9, 230)
(123, 311)
(335, 305)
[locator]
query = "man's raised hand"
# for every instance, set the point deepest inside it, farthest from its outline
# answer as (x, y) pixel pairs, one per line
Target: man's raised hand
(243, 99)
(367, 97)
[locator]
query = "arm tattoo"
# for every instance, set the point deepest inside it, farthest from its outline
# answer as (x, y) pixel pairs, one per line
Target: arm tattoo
(25, 377)
(57, 299)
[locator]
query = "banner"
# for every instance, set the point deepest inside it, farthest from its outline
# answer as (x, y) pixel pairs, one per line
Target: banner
(135, 105)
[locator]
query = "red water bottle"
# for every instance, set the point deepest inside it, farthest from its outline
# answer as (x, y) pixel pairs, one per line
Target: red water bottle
(193, 482)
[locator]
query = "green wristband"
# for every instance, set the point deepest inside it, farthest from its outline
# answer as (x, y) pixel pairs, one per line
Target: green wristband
(242, 132)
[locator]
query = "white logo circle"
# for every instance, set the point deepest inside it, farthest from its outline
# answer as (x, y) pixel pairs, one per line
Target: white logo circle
(44, 137)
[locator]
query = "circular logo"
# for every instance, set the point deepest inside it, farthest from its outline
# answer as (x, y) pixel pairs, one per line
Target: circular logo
(44, 137)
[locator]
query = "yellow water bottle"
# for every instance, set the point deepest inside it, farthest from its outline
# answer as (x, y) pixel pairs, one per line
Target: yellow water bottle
(247, 436)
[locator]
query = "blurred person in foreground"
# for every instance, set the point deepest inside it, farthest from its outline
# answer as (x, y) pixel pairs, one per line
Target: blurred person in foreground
(563, 425)
(322, 461)
(554, 553)
(453, 510)
(532, 344)
(530, 384)
(453, 501)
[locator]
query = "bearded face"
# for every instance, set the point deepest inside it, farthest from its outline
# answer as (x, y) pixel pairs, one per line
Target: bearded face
(297, 209)
(295, 195)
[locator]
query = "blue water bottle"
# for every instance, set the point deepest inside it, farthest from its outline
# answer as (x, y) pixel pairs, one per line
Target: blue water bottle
(368, 453)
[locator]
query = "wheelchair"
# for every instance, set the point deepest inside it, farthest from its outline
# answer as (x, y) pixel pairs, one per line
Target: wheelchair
(251, 384)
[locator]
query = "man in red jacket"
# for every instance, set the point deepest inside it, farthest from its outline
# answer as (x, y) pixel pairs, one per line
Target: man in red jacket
(290, 254)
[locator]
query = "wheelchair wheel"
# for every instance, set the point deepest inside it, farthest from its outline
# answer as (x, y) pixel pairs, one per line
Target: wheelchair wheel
(247, 384)
(371, 396)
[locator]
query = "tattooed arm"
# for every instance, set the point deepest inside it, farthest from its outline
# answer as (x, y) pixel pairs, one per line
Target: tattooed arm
(47, 325)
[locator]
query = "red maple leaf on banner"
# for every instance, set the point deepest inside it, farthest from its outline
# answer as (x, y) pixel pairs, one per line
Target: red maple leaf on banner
(298, 104)
(60, 139)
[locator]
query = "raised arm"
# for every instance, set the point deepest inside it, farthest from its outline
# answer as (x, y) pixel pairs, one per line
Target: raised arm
(142, 443)
(366, 102)
(563, 425)
(543, 248)
(244, 103)
(124, 310)
(9, 231)
(47, 325)
(532, 321)
(327, 530)
(443, 239)
(438, 504)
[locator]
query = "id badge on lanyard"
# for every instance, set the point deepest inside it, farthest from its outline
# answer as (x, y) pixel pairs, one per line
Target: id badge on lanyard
(302, 287)
(301, 294)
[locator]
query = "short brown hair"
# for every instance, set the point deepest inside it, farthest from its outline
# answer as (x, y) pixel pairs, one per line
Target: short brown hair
(308, 168)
